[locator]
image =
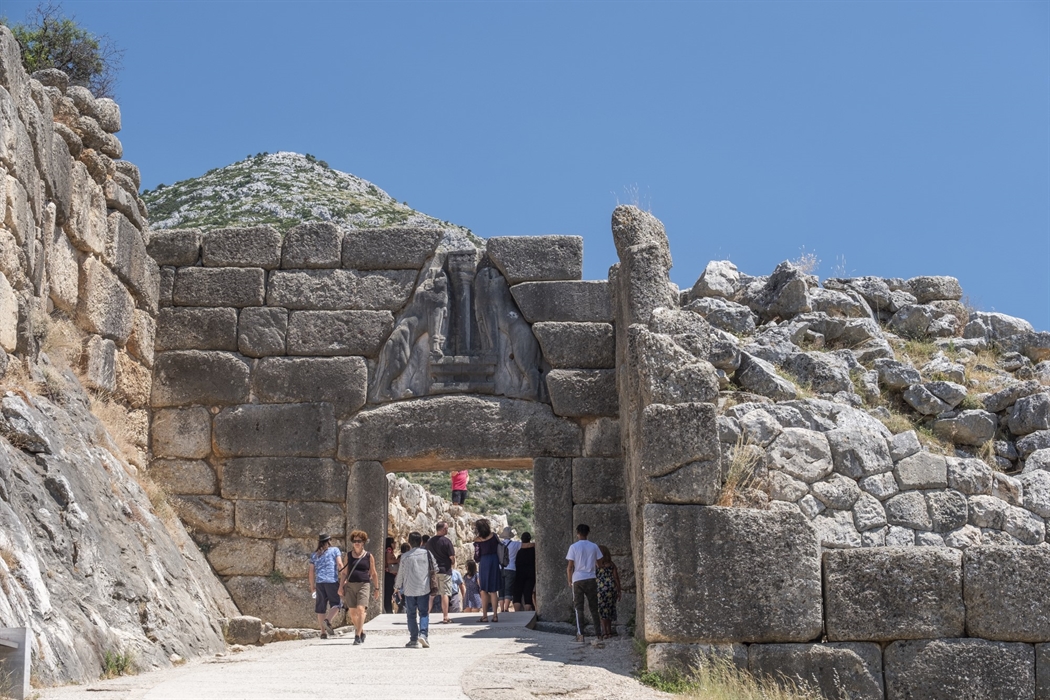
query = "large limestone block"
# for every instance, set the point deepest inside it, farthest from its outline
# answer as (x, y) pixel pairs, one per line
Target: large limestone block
(340, 289)
(284, 479)
(858, 453)
(1005, 592)
(123, 201)
(688, 658)
(597, 480)
(100, 364)
(240, 556)
(389, 248)
(86, 227)
(134, 381)
(219, 286)
(458, 428)
(265, 519)
(306, 519)
(181, 433)
(293, 556)
(841, 671)
(126, 254)
(178, 247)
(330, 333)
(184, 476)
(601, 438)
(204, 514)
(63, 271)
(199, 377)
(968, 428)
(583, 393)
(802, 454)
(8, 316)
(262, 331)
(760, 377)
(256, 246)
(552, 493)
(1042, 671)
(367, 499)
(196, 328)
(142, 341)
(643, 283)
(923, 470)
(104, 306)
(313, 245)
(671, 437)
(933, 288)
(886, 593)
(609, 522)
(537, 258)
(568, 345)
(584, 301)
(277, 430)
(959, 669)
(665, 372)
(286, 604)
(744, 576)
(340, 381)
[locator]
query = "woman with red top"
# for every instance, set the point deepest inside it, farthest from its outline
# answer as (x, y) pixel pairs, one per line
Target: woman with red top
(459, 487)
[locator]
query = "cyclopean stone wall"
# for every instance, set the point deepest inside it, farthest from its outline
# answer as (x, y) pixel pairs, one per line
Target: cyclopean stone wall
(293, 372)
(806, 577)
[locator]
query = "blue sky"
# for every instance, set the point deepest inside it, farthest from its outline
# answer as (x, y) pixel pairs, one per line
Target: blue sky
(886, 138)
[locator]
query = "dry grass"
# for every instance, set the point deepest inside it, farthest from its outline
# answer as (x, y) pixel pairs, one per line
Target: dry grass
(62, 341)
(897, 422)
(719, 679)
(934, 443)
(741, 477)
(116, 426)
(921, 351)
(986, 453)
(809, 263)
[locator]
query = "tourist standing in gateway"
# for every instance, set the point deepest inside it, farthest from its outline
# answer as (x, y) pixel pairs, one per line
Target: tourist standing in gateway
(583, 558)
(460, 479)
(413, 579)
(445, 555)
(325, 563)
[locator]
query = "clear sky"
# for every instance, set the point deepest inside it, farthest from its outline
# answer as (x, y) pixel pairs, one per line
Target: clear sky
(887, 138)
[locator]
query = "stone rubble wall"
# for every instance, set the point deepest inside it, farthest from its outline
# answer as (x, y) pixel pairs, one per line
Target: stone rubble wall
(90, 562)
(815, 572)
(262, 427)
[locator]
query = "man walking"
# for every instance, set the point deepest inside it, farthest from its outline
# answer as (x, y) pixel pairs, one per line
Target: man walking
(440, 546)
(413, 578)
(583, 557)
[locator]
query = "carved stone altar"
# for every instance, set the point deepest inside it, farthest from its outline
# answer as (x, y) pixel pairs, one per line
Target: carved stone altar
(461, 332)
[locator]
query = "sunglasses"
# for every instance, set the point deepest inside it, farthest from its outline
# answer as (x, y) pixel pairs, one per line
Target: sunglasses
(357, 541)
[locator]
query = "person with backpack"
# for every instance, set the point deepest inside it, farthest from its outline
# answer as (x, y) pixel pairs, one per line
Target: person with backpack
(508, 554)
(417, 578)
(359, 579)
(486, 554)
(325, 563)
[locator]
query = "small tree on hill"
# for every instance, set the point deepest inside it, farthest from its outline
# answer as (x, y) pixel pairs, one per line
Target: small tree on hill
(50, 39)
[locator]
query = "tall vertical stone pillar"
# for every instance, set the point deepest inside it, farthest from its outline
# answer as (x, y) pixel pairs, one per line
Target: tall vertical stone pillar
(367, 500)
(552, 494)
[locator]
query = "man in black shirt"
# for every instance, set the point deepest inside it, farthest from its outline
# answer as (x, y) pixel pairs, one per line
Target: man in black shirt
(445, 556)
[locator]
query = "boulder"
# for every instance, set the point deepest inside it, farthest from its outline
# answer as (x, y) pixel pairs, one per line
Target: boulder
(1036, 488)
(687, 658)
(389, 248)
(210, 515)
(1030, 414)
(582, 393)
(262, 331)
(719, 279)
(269, 519)
(312, 245)
(754, 575)
(838, 671)
(244, 630)
(199, 377)
(836, 530)
(868, 513)
(583, 301)
(328, 333)
(923, 400)
(306, 519)
(278, 430)
(858, 453)
(922, 470)
(1006, 397)
(758, 428)
(881, 486)
(760, 377)
(967, 428)
(340, 381)
(178, 247)
(904, 445)
(257, 246)
(837, 491)
(912, 321)
(823, 373)
(142, 341)
(104, 306)
(571, 345)
(458, 428)
(969, 476)
(727, 315)
(882, 594)
(100, 364)
(537, 258)
(839, 304)
(232, 555)
(1039, 440)
(947, 509)
(1038, 460)
(803, 454)
(783, 295)
(285, 604)
(552, 484)
(1005, 593)
(126, 254)
(609, 524)
(909, 510)
(934, 288)
(959, 668)
(196, 328)
(219, 286)
(994, 326)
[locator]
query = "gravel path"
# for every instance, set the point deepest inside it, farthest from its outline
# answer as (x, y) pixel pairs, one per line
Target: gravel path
(504, 661)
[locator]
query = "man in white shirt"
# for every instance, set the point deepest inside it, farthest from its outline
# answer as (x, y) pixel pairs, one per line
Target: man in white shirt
(506, 592)
(583, 557)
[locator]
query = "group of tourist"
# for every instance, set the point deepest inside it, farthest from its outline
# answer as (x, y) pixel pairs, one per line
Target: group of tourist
(423, 578)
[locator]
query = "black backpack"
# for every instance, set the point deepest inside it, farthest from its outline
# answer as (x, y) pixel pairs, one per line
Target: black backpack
(503, 553)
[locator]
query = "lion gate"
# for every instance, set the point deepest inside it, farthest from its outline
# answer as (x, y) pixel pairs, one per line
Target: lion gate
(292, 374)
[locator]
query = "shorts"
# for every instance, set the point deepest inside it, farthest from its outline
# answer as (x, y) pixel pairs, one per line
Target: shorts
(327, 595)
(356, 594)
(459, 497)
(523, 588)
(445, 585)
(507, 589)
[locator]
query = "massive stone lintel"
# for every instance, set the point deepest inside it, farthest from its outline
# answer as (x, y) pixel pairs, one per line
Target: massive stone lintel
(458, 427)
(730, 575)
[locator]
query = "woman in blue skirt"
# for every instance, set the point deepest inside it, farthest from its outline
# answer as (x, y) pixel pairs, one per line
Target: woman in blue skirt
(489, 579)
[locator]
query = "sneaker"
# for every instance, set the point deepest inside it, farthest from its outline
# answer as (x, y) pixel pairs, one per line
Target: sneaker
(413, 644)
(329, 628)
(424, 641)
(357, 640)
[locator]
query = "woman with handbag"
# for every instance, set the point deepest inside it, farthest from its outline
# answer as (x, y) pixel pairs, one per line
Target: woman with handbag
(486, 548)
(359, 580)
